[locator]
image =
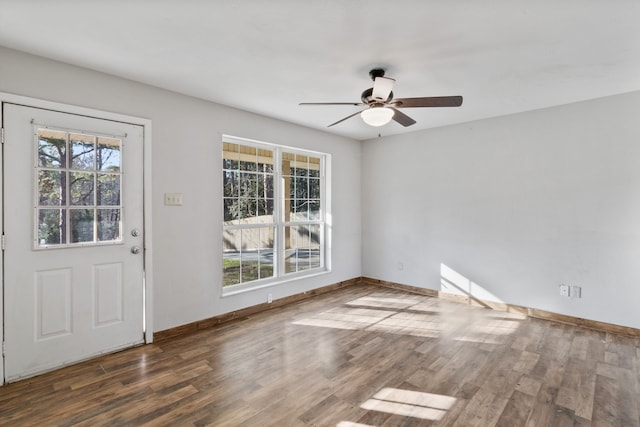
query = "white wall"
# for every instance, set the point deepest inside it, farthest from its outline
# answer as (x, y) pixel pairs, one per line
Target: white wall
(509, 208)
(187, 240)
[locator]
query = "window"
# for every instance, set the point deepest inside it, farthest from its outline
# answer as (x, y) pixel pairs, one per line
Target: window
(274, 213)
(78, 186)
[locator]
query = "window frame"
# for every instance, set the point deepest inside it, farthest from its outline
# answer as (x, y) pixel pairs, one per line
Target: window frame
(68, 169)
(279, 223)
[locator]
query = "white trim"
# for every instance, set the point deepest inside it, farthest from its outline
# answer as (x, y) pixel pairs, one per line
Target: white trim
(147, 202)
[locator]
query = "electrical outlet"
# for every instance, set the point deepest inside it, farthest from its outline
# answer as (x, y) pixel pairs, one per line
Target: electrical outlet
(269, 298)
(400, 265)
(564, 290)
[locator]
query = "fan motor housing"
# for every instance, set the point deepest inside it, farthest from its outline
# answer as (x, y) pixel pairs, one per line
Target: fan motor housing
(367, 97)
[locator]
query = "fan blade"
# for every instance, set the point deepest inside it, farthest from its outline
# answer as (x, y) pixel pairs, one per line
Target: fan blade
(342, 120)
(331, 103)
(433, 101)
(382, 88)
(402, 118)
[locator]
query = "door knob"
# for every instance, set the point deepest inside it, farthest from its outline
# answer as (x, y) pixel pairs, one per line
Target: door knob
(135, 250)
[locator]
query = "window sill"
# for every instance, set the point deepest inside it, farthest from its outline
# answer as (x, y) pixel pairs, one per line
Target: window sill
(280, 281)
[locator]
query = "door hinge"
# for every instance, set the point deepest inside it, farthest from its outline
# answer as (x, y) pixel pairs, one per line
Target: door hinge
(4, 348)
(3, 242)
(2, 134)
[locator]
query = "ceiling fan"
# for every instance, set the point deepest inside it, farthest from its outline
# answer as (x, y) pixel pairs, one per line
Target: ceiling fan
(382, 107)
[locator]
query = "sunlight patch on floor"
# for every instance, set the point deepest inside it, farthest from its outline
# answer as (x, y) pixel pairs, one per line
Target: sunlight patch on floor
(350, 424)
(421, 317)
(415, 404)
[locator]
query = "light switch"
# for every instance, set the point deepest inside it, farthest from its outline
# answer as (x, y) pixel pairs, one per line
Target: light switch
(173, 199)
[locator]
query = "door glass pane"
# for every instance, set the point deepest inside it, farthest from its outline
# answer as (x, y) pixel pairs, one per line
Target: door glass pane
(108, 155)
(81, 188)
(51, 188)
(108, 224)
(81, 225)
(51, 230)
(52, 148)
(82, 152)
(108, 192)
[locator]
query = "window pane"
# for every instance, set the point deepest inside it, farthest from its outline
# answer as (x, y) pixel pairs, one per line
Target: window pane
(302, 247)
(108, 224)
(301, 188)
(248, 185)
(231, 257)
(304, 244)
(314, 167)
(314, 210)
(51, 227)
(314, 245)
(82, 152)
(247, 208)
(266, 252)
(52, 148)
(81, 188)
(51, 188)
(301, 210)
(265, 160)
(81, 225)
(230, 155)
(265, 208)
(248, 158)
(301, 166)
(264, 185)
(230, 181)
(314, 188)
(230, 213)
(250, 255)
(291, 249)
(108, 193)
(108, 155)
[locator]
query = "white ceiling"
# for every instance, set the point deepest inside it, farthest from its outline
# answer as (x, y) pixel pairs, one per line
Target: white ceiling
(503, 56)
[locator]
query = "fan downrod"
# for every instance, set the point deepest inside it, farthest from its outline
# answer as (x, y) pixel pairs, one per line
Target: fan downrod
(376, 72)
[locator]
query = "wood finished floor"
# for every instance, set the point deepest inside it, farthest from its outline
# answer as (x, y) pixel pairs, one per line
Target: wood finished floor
(360, 356)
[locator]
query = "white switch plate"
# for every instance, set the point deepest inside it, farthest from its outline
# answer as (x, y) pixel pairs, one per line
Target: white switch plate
(173, 199)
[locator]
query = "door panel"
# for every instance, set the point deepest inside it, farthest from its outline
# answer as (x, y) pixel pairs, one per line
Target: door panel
(73, 194)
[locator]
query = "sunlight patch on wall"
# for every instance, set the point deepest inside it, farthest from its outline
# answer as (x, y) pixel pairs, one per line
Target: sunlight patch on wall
(453, 282)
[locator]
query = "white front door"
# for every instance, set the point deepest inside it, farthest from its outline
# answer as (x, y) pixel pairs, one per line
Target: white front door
(73, 225)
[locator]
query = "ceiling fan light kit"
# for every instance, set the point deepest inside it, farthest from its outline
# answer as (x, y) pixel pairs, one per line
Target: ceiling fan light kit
(382, 107)
(377, 116)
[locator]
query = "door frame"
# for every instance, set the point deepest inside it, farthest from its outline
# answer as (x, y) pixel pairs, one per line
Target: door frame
(147, 199)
